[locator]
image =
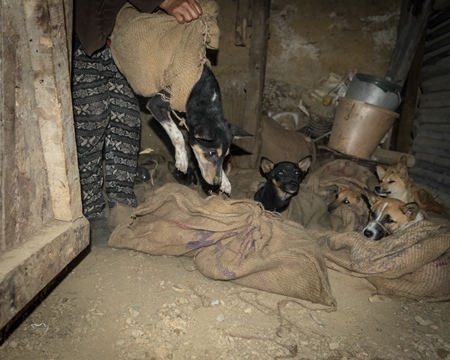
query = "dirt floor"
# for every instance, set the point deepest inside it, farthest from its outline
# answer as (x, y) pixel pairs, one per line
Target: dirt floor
(120, 304)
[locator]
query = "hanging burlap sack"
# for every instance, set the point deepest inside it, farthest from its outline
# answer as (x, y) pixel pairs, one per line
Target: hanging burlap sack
(155, 52)
(230, 240)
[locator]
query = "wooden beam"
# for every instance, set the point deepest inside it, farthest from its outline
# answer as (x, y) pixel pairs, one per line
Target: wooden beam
(404, 125)
(242, 22)
(46, 29)
(27, 269)
(413, 21)
(255, 86)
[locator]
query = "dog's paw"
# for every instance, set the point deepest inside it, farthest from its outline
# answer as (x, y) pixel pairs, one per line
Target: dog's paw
(181, 162)
(225, 187)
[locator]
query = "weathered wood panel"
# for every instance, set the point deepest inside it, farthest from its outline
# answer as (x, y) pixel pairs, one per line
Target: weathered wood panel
(433, 115)
(409, 33)
(45, 25)
(25, 199)
(41, 225)
(255, 87)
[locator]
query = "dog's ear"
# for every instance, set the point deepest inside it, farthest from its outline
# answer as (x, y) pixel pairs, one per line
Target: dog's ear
(238, 133)
(266, 165)
(305, 163)
(402, 171)
(202, 133)
(410, 210)
(380, 172)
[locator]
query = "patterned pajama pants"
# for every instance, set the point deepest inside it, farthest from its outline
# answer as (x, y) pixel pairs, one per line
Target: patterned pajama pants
(107, 127)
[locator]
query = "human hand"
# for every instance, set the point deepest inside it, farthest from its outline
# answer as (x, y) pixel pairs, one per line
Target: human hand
(183, 10)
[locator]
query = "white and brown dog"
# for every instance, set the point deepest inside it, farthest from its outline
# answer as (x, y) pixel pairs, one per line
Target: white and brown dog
(388, 216)
(395, 182)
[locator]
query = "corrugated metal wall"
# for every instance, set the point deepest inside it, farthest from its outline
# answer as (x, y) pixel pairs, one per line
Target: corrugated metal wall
(431, 142)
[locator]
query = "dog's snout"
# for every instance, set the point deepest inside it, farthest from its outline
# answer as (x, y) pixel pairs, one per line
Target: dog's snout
(368, 233)
(377, 188)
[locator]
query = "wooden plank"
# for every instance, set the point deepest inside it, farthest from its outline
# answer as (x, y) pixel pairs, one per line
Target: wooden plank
(436, 96)
(436, 87)
(438, 18)
(409, 34)
(431, 142)
(435, 160)
(440, 31)
(443, 128)
(25, 195)
(427, 149)
(432, 173)
(50, 64)
(430, 72)
(255, 88)
(242, 22)
(434, 103)
(404, 125)
(433, 115)
(438, 45)
(27, 269)
(439, 55)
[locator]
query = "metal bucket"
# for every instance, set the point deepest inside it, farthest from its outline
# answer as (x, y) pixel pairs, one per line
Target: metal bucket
(375, 91)
(359, 127)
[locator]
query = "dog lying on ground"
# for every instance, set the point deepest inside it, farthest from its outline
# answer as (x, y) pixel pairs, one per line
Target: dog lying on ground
(283, 182)
(209, 133)
(396, 183)
(346, 196)
(350, 200)
(389, 215)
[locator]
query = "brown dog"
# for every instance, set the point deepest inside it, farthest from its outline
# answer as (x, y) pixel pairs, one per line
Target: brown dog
(388, 216)
(351, 199)
(346, 196)
(396, 183)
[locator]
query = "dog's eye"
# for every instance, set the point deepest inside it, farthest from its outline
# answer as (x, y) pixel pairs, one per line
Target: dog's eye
(390, 220)
(372, 214)
(281, 173)
(212, 153)
(346, 201)
(391, 181)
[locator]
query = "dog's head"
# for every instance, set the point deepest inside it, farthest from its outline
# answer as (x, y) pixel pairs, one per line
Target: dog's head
(211, 144)
(346, 196)
(388, 216)
(285, 175)
(393, 180)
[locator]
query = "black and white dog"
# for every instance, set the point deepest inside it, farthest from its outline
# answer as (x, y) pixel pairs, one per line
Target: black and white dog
(210, 134)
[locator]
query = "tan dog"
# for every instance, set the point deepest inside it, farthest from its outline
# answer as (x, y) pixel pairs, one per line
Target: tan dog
(351, 199)
(388, 216)
(346, 196)
(396, 183)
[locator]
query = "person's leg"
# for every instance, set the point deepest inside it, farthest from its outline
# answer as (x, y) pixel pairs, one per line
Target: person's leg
(122, 143)
(91, 115)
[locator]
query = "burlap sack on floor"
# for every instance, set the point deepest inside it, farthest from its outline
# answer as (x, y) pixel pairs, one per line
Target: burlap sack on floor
(232, 240)
(155, 52)
(414, 263)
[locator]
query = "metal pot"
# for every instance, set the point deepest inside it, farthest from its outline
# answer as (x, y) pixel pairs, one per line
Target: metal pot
(375, 91)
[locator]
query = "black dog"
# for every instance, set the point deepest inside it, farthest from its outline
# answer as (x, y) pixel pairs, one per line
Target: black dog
(283, 182)
(210, 134)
